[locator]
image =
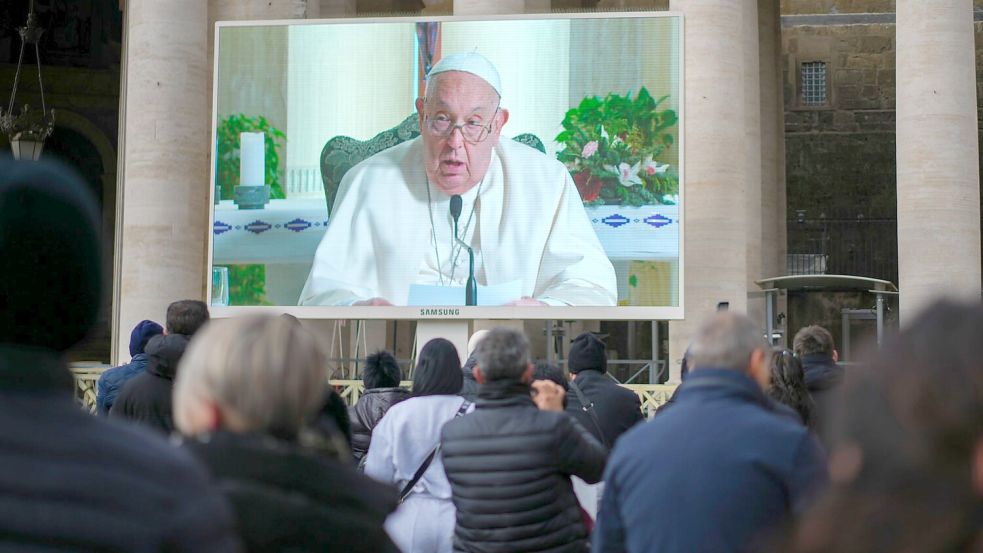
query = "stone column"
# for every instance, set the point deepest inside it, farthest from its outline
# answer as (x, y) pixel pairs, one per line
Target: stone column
(164, 190)
(715, 169)
(772, 109)
(500, 7)
(753, 157)
(938, 154)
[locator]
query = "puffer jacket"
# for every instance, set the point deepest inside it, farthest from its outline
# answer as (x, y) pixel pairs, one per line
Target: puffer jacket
(110, 382)
(367, 412)
(509, 465)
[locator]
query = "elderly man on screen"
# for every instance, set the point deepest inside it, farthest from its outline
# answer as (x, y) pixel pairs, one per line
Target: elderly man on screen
(391, 225)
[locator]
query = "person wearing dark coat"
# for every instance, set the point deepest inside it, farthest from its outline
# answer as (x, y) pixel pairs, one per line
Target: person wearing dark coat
(286, 496)
(814, 347)
(381, 377)
(110, 381)
(509, 462)
(616, 408)
(146, 398)
(289, 498)
(720, 470)
(70, 481)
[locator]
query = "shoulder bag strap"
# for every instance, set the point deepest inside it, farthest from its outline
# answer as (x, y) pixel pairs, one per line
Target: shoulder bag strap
(588, 407)
(408, 488)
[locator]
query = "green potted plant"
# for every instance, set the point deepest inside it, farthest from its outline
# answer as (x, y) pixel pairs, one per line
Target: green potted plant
(617, 150)
(613, 148)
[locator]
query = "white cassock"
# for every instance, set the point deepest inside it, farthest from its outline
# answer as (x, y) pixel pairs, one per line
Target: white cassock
(390, 228)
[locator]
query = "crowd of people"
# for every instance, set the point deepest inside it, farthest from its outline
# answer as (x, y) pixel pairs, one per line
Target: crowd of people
(226, 436)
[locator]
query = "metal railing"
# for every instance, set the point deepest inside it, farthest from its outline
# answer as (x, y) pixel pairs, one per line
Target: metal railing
(842, 244)
(652, 396)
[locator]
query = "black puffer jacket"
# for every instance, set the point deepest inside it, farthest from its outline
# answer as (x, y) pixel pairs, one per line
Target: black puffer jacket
(146, 398)
(289, 499)
(509, 465)
(367, 413)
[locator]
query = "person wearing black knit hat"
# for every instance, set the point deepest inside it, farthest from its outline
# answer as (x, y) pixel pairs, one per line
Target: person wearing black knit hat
(598, 402)
(72, 469)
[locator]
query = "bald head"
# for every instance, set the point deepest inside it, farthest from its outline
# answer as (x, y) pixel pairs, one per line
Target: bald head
(726, 341)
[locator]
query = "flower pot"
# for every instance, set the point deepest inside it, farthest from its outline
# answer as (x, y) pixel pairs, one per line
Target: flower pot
(649, 232)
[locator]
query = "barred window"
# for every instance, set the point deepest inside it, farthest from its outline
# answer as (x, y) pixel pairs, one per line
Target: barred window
(814, 83)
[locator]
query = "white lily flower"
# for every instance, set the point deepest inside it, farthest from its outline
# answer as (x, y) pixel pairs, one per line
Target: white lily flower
(651, 167)
(627, 174)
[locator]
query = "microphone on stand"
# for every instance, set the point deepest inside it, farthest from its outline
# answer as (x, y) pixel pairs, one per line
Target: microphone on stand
(471, 290)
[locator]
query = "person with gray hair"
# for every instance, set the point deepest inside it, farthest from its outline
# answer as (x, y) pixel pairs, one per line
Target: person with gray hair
(245, 389)
(720, 469)
(509, 463)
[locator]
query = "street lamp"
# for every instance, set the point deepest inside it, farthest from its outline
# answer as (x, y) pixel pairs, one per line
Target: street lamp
(27, 130)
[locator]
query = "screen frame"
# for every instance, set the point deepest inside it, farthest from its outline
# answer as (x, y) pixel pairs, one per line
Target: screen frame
(611, 313)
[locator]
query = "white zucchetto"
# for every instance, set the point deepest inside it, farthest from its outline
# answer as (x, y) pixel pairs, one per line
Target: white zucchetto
(469, 62)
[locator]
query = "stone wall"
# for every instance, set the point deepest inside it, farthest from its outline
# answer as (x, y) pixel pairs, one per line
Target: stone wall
(840, 157)
(809, 7)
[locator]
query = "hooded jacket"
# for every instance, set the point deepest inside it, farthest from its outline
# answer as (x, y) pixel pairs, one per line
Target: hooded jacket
(110, 382)
(146, 398)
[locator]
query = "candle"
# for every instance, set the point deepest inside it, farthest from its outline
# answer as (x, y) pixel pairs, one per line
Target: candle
(252, 159)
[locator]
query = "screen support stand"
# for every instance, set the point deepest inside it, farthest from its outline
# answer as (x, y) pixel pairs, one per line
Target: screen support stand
(457, 332)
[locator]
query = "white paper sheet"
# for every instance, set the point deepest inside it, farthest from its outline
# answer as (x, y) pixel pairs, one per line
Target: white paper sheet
(495, 294)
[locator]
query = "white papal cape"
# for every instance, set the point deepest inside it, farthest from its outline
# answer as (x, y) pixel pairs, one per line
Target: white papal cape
(532, 228)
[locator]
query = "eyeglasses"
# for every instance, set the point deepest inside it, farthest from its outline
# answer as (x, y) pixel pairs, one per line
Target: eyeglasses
(473, 132)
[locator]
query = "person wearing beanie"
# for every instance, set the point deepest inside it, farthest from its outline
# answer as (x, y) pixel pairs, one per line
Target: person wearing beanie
(112, 380)
(68, 480)
(611, 409)
(598, 403)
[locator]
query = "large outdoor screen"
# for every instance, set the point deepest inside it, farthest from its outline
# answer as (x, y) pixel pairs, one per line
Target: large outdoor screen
(520, 167)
